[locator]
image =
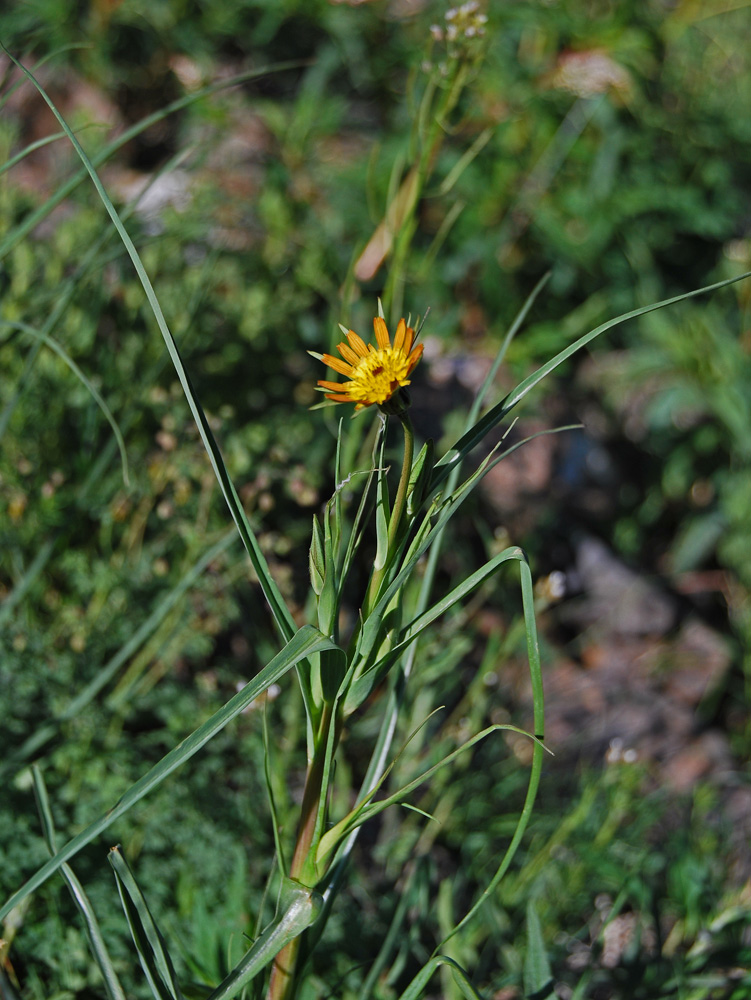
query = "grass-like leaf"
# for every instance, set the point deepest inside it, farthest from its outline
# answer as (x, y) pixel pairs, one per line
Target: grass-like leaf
(279, 609)
(152, 949)
(83, 904)
(94, 257)
(299, 908)
(535, 673)
(495, 415)
(363, 813)
(38, 215)
(415, 990)
(538, 978)
(303, 644)
(31, 148)
(24, 584)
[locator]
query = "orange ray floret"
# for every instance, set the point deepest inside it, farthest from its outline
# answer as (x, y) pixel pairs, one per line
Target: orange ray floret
(375, 373)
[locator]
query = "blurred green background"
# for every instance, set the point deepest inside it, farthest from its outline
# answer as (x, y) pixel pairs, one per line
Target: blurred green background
(611, 147)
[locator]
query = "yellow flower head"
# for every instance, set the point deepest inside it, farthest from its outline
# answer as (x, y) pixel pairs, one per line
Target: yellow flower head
(375, 373)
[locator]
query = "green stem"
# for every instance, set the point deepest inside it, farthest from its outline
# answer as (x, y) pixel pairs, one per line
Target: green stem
(281, 982)
(397, 511)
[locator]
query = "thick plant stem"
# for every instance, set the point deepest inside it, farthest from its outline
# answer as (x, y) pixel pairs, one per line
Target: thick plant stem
(396, 515)
(281, 983)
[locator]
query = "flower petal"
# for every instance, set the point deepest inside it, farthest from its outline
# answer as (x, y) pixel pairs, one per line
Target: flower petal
(409, 339)
(399, 335)
(337, 364)
(357, 344)
(414, 358)
(348, 354)
(381, 333)
(335, 386)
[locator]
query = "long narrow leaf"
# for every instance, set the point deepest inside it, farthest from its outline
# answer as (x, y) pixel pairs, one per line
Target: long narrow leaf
(363, 813)
(270, 797)
(415, 989)
(34, 218)
(83, 904)
(538, 978)
(93, 256)
(152, 949)
(474, 410)
(271, 592)
(301, 909)
(493, 417)
(303, 644)
(31, 148)
(419, 624)
(8, 92)
(533, 654)
(23, 585)
(364, 684)
(393, 936)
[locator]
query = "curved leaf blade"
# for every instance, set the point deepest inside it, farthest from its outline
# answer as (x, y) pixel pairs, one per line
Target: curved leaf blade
(279, 609)
(306, 642)
(152, 949)
(493, 417)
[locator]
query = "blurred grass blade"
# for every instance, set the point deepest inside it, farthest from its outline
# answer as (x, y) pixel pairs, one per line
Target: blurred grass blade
(93, 255)
(31, 148)
(464, 161)
(538, 977)
(8, 93)
(304, 643)
(42, 736)
(474, 410)
(270, 797)
(493, 417)
(38, 215)
(93, 930)
(426, 266)
(407, 901)
(416, 989)
(271, 592)
(22, 586)
(90, 388)
(151, 947)
(300, 908)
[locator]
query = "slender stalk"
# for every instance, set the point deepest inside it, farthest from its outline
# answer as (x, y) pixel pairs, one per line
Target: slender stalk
(401, 493)
(396, 515)
(281, 982)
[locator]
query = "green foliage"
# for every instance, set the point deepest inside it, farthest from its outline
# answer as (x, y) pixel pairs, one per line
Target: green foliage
(128, 617)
